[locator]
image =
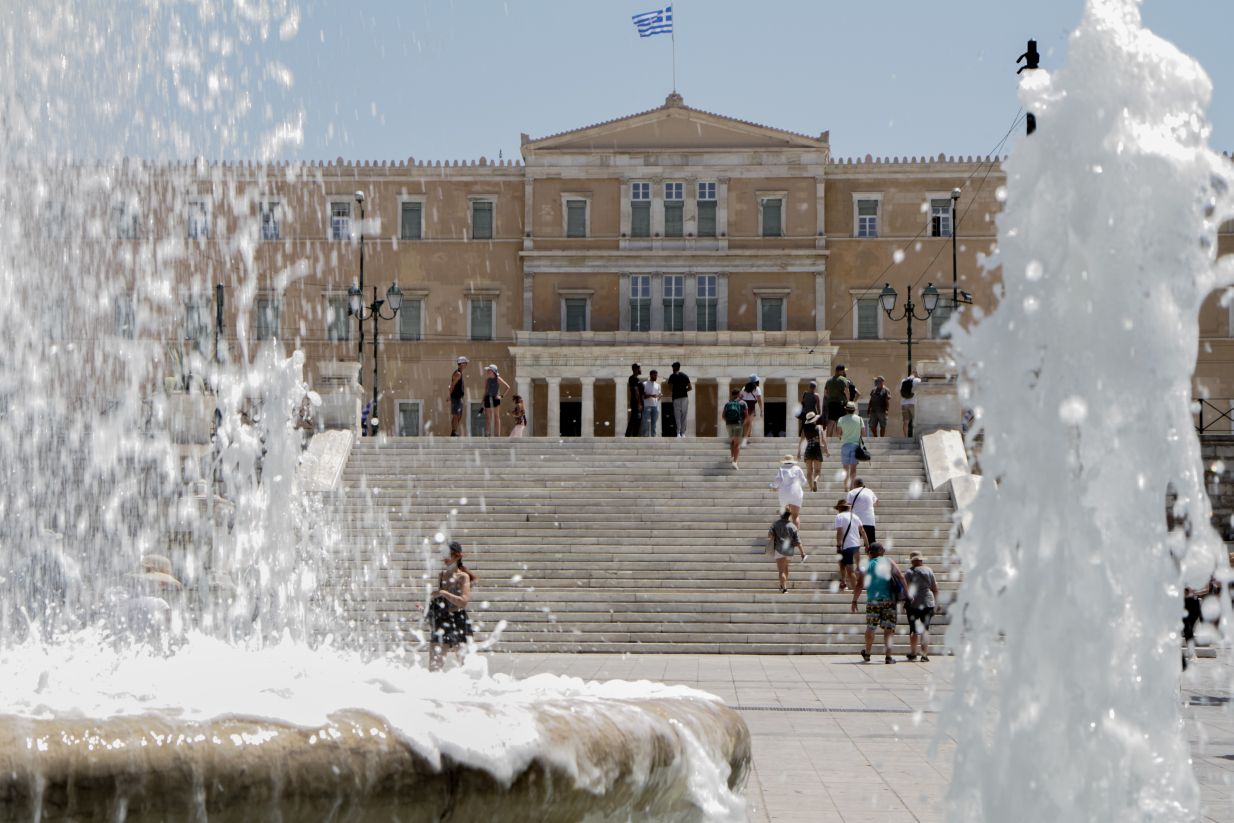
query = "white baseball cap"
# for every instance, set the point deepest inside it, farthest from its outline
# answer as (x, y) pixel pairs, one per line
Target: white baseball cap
(491, 367)
(463, 360)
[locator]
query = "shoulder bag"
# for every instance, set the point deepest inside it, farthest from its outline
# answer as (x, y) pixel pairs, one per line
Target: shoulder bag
(863, 454)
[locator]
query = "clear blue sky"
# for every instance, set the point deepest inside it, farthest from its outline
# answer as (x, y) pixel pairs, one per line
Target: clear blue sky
(385, 80)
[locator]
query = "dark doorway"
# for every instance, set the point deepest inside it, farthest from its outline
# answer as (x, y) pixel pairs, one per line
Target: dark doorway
(775, 415)
(668, 423)
(571, 418)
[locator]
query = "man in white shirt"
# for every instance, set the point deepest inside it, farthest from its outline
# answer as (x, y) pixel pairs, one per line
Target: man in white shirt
(908, 401)
(862, 501)
(651, 404)
(850, 537)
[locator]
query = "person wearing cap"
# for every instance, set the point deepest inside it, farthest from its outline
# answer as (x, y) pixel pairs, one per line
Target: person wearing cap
(922, 591)
(816, 447)
(752, 396)
(790, 482)
(876, 578)
(634, 402)
(449, 626)
(850, 537)
(493, 392)
(810, 402)
(877, 407)
(850, 426)
(782, 538)
(457, 392)
(835, 395)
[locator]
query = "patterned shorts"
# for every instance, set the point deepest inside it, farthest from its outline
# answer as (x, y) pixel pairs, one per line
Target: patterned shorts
(881, 614)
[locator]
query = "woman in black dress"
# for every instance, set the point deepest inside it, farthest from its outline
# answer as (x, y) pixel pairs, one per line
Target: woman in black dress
(447, 611)
(816, 447)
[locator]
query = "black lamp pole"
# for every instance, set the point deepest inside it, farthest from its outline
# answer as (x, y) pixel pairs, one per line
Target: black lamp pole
(360, 201)
(929, 299)
(955, 227)
(394, 297)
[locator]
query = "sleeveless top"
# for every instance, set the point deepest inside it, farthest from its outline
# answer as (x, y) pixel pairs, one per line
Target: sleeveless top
(492, 387)
(452, 583)
(456, 393)
(520, 416)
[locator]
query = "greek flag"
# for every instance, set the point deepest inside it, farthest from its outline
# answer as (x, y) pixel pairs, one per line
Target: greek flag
(659, 21)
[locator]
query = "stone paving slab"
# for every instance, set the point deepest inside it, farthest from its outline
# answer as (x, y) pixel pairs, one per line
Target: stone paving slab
(810, 714)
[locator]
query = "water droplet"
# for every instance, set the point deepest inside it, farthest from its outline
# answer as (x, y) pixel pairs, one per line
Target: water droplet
(1073, 411)
(439, 538)
(1034, 270)
(915, 489)
(1000, 194)
(1031, 304)
(1218, 467)
(898, 257)
(462, 501)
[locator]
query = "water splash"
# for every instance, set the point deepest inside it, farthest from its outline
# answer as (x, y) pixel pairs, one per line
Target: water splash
(1067, 627)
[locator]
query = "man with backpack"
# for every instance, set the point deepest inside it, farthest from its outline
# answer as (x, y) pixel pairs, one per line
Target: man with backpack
(734, 414)
(908, 400)
(837, 391)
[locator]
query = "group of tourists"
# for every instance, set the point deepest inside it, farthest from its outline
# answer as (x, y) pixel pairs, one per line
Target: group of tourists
(495, 389)
(643, 399)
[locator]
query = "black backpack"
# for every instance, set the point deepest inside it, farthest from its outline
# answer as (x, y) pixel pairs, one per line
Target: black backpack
(733, 412)
(906, 388)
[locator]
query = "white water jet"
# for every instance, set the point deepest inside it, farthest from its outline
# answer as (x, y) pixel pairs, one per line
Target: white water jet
(1066, 702)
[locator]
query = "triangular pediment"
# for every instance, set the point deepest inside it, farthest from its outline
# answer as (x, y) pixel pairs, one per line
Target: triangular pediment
(674, 127)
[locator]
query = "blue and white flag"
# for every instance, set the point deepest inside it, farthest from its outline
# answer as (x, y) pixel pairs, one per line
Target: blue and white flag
(659, 21)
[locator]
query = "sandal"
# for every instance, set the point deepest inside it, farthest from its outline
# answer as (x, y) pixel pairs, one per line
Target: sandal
(889, 659)
(865, 655)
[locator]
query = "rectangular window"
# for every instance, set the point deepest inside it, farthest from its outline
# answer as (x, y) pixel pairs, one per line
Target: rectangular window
(938, 319)
(773, 225)
(706, 209)
(940, 217)
(270, 220)
(576, 218)
(408, 423)
(340, 219)
(338, 319)
(410, 225)
(125, 314)
(868, 310)
(481, 219)
(196, 322)
(640, 302)
(575, 313)
(707, 301)
(268, 311)
(674, 209)
(867, 218)
(640, 210)
(199, 220)
(126, 222)
(410, 319)
(771, 313)
(481, 318)
(674, 302)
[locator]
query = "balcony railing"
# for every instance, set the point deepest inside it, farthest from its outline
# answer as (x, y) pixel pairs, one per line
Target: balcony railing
(789, 339)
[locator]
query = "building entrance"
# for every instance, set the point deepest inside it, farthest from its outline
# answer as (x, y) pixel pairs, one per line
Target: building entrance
(571, 418)
(775, 418)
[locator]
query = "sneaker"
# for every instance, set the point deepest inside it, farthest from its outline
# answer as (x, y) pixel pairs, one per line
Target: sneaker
(889, 660)
(745, 443)
(911, 658)
(865, 655)
(925, 658)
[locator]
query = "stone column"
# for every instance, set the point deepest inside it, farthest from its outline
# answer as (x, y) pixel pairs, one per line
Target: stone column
(723, 386)
(692, 412)
(619, 406)
(589, 406)
(523, 386)
(554, 407)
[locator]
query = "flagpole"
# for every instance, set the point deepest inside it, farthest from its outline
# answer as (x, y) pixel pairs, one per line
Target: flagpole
(672, 33)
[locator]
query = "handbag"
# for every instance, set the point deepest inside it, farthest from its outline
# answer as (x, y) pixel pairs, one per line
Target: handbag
(863, 454)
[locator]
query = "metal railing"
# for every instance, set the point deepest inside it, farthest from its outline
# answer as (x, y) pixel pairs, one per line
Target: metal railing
(1214, 415)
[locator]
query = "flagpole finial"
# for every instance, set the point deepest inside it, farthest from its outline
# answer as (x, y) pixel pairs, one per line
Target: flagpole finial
(674, 100)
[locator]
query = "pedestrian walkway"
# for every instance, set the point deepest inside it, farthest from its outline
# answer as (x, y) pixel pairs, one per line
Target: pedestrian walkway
(838, 741)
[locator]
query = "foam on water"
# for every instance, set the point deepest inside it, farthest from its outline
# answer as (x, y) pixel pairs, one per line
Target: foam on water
(1066, 702)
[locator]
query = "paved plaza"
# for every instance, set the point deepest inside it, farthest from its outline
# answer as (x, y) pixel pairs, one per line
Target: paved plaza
(809, 715)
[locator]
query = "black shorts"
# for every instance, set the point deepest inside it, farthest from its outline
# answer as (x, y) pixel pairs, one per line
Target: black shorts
(848, 557)
(835, 410)
(491, 402)
(456, 405)
(918, 619)
(869, 530)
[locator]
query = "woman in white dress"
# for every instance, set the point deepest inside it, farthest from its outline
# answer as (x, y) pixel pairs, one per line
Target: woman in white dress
(790, 483)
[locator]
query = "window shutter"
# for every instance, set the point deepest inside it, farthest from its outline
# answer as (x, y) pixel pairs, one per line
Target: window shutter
(482, 220)
(410, 228)
(867, 318)
(576, 218)
(409, 320)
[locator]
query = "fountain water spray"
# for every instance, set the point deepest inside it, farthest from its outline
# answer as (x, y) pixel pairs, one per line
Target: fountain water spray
(1066, 702)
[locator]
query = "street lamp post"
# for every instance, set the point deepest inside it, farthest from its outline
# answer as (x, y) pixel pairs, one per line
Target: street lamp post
(929, 300)
(360, 203)
(394, 299)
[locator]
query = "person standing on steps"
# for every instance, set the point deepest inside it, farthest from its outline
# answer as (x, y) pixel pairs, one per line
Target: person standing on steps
(810, 402)
(908, 401)
(734, 414)
(850, 537)
(850, 426)
(651, 404)
(782, 538)
(679, 383)
(457, 393)
(922, 592)
(495, 388)
(449, 626)
(816, 447)
(519, 413)
(862, 502)
(752, 396)
(835, 396)
(634, 402)
(877, 408)
(789, 484)
(880, 578)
